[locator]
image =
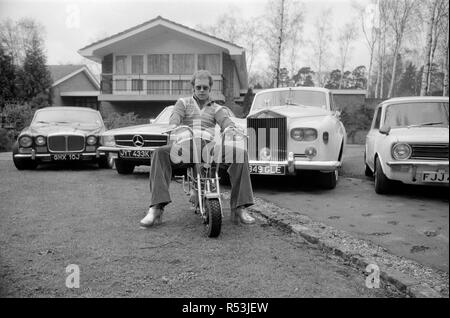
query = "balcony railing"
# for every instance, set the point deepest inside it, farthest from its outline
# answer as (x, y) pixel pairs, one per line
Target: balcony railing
(139, 85)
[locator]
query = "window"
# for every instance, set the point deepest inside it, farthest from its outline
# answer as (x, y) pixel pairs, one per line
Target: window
(377, 121)
(121, 85)
(332, 105)
(137, 64)
(183, 64)
(121, 64)
(210, 62)
(136, 85)
(181, 87)
(158, 87)
(158, 64)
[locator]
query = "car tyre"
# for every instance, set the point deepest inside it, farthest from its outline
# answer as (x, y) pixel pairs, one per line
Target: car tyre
(103, 163)
(124, 167)
(329, 179)
(382, 183)
(367, 171)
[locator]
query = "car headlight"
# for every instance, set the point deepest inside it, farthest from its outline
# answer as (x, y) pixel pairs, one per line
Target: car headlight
(40, 140)
(25, 141)
(304, 134)
(91, 140)
(108, 140)
(401, 151)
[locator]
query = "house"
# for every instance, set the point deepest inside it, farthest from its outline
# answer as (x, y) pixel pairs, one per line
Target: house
(149, 66)
(74, 85)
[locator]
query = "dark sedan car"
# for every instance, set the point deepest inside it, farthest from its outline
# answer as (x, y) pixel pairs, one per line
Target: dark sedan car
(58, 134)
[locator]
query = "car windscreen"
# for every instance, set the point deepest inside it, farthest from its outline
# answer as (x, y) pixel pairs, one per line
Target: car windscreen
(289, 97)
(417, 114)
(164, 116)
(67, 117)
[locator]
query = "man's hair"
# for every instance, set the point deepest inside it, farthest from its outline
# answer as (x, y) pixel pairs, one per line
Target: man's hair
(202, 74)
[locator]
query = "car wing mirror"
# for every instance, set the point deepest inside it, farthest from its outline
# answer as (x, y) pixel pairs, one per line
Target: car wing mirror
(337, 113)
(151, 120)
(385, 130)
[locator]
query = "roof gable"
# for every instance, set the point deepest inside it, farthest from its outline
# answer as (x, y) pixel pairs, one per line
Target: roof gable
(61, 73)
(89, 51)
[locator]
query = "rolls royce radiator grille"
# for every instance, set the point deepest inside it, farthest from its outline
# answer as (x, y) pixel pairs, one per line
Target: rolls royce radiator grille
(267, 133)
(143, 141)
(66, 143)
(430, 152)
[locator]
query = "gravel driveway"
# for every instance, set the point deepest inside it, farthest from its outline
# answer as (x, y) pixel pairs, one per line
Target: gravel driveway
(56, 216)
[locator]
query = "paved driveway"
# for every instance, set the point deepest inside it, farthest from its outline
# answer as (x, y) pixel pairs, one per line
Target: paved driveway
(412, 222)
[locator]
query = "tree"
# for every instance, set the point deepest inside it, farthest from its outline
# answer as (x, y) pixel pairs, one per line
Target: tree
(232, 27)
(435, 12)
(283, 18)
(359, 77)
(399, 18)
(7, 78)
(34, 79)
(334, 79)
(304, 77)
(347, 36)
(16, 37)
(381, 49)
(389, 73)
(368, 18)
(321, 43)
(408, 81)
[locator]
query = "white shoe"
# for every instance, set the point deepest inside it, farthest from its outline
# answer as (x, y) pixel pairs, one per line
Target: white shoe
(153, 217)
(239, 215)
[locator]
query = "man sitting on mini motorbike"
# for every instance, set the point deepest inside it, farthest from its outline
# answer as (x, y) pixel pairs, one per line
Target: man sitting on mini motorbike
(198, 108)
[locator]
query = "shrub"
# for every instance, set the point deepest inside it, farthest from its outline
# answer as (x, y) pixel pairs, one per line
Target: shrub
(5, 142)
(18, 116)
(356, 119)
(116, 120)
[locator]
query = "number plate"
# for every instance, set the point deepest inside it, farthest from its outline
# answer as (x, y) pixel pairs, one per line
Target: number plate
(145, 154)
(267, 169)
(66, 156)
(431, 176)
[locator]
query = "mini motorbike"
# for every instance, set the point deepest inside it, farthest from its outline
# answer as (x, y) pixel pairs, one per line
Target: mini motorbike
(201, 181)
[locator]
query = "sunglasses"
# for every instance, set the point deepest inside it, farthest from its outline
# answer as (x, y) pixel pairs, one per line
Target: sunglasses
(202, 87)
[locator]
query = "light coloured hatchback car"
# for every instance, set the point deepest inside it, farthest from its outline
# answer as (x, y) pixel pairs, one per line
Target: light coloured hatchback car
(408, 142)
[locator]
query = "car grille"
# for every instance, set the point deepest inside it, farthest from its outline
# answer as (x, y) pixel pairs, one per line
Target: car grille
(260, 138)
(430, 152)
(149, 140)
(65, 143)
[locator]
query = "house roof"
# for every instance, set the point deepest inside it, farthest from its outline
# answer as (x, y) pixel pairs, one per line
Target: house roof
(61, 73)
(95, 51)
(149, 23)
(349, 91)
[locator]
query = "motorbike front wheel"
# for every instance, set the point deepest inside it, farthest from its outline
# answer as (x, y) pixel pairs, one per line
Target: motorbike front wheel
(213, 220)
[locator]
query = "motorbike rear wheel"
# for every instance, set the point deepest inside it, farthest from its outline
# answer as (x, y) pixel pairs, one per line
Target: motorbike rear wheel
(213, 222)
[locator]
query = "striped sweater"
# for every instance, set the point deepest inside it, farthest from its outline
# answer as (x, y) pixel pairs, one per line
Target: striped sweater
(187, 112)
